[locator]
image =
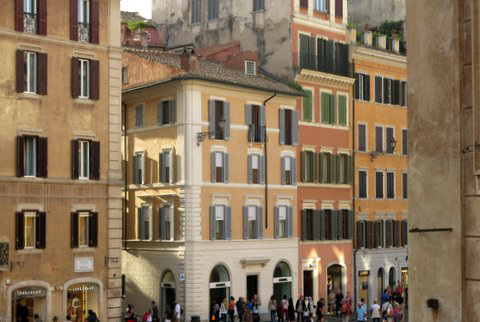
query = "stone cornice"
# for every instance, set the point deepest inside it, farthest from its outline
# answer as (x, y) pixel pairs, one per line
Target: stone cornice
(314, 76)
(379, 56)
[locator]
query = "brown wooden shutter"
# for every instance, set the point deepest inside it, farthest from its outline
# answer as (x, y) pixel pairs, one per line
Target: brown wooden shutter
(360, 237)
(75, 81)
(94, 80)
(95, 160)
(93, 230)
(338, 8)
(20, 157)
(42, 17)
(74, 229)
(42, 158)
(19, 15)
(94, 16)
(19, 230)
(42, 73)
(396, 233)
(370, 234)
(20, 71)
(74, 159)
(74, 20)
(41, 230)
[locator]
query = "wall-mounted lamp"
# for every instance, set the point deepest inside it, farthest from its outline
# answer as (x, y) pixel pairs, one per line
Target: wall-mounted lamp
(201, 136)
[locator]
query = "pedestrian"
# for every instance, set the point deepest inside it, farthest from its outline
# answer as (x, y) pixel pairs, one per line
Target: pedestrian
(319, 309)
(168, 314)
(36, 318)
(68, 318)
(92, 317)
(387, 311)
(177, 312)
(338, 302)
(299, 308)
(155, 316)
(240, 310)
(231, 309)
(147, 317)
(215, 312)
(331, 302)
(361, 312)
(130, 315)
(272, 305)
(256, 308)
(223, 311)
(291, 310)
(375, 315)
(385, 296)
(284, 306)
(306, 308)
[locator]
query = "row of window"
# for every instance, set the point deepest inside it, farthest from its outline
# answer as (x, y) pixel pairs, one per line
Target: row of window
(165, 221)
(387, 90)
(32, 70)
(219, 120)
(382, 233)
(383, 179)
(331, 113)
(383, 142)
(326, 167)
(323, 6)
(32, 158)
(213, 8)
(31, 229)
(219, 168)
(327, 224)
(31, 17)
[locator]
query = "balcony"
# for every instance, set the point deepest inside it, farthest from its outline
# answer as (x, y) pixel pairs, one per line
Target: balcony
(30, 22)
(333, 65)
(83, 32)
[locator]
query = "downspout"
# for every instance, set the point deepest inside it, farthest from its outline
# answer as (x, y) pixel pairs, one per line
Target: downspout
(355, 295)
(266, 161)
(125, 178)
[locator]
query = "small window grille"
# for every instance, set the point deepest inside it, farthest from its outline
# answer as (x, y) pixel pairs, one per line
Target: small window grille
(250, 68)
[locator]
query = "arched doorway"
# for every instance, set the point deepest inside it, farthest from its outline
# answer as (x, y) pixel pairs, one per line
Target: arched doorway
(334, 278)
(168, 295)
(219, 284)
(282, 281)
(380, 284)
(82, 297)
(27, 301)
(391, 277)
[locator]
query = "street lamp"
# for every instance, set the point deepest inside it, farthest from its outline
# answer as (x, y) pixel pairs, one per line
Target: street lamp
(201, 136)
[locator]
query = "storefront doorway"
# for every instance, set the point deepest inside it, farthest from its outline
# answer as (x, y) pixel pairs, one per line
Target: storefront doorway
(308, 283)
(380, 284)
(168, 295)
(28, 301)
(363, 285)
(404, 277)
(219, 285)
(391, 277)
(282, 281)
(252, 286)
(334, 278)
(81, 298)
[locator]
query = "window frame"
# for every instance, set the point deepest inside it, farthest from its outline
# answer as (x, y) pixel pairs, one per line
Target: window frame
(33, 216)
(86, 216)
(366, 184)
(31, 81)
(387, 196)
(383, 185)
(137, 107)
(81, 160)
(210, 4)
(84, 11)
(383, 138)
(84, 78)
(365, 137)
(247, 62)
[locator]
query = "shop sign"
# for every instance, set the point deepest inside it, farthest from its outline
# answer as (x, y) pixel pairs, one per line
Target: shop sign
(30, 292)
(83, 264)
(181, 276)
(82, 288)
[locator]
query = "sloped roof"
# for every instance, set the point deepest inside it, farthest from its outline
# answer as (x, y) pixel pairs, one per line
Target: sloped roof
(211, 71)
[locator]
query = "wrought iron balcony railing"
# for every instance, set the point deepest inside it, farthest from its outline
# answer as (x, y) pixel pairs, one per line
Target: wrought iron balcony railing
(331, 65)
(30, 22)
(83, 32)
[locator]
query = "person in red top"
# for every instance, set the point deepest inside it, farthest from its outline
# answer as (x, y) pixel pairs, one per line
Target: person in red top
(231, 308)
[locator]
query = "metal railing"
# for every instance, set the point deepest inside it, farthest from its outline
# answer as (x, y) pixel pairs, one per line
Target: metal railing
(322, 64)
(83, 32)
(30, 22)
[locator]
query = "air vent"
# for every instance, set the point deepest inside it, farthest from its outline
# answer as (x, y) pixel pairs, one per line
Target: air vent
(250, 67)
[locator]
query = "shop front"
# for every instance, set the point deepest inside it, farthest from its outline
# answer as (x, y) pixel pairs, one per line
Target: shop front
(81, 298)
(28, 301)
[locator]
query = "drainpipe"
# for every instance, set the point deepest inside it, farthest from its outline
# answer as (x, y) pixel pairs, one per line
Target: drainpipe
(355, 295)
(125, 178)
(266, 161)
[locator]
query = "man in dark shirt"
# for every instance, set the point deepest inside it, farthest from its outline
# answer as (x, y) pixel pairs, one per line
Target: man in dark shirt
(338, 302)
(92, 317)
(154, 312)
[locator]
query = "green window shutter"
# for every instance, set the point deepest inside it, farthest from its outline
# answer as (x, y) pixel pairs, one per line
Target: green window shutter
(304, 52)
(349, 169)
(307, 106)
(325, 108)
(332, 109)
(342, 110)
(315, 167)
(331, 169)
(304, 166)
(321, 167)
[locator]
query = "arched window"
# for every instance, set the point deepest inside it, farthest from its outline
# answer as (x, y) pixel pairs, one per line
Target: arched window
(391, 277)
(282, 281)
(380, 284)
(219, 284)
(32, 296)
(168, 294)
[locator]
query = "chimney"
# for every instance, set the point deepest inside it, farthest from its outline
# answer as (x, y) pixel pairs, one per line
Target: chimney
(367, 38)
(352, 35)
(381, 42)
(188, 61)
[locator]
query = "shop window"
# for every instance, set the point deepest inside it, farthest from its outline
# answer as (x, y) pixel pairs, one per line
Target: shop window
(81, 298)
(28, 301)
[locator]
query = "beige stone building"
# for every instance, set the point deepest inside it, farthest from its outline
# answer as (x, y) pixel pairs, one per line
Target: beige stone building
(60, 166)
(443, 119)
(206, 217)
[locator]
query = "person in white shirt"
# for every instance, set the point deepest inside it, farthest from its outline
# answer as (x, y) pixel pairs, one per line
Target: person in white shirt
(178, 312)
(376, 312)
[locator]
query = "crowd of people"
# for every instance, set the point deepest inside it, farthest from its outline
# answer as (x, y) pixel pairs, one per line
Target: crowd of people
(173, 313)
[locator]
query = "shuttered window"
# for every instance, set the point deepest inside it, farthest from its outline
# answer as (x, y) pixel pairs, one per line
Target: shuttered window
(327, 167)
(196, 11)
(387, 91)
(256, 168)
(379, 139)
(346, 222)
(144, 223)
(309, 166)
(283, 222)
(304, 4)
(388, 233)
(310, 224)
(344, 168)
(339, 8)
(362, 87)
(84, 20)
(250, 67)
(220, 222)
(390, 139)
(370, 234)
(362, 138)
(30, 229)
(288, 121)
(379, 185)
(390, 185)
(361, 234)
(252, 222)
(165, 223)
(396, 233)
(166, 112)
(328, 108)
(139, 109)
(138, 168)
(405, 185)
(219, 167)
(85, 159)
(31, 16)
(166, 166)
(403, 93)
(404, 142)
(378, 89)
(32, 157)
(219, 120)
(307, 109)
(404, 233)
(31, 72)
(85, 78)
(212, 9)
(362, 184)
(83, 229)
(342, 110)
(289, 170)
(379, 234)
(255, 118)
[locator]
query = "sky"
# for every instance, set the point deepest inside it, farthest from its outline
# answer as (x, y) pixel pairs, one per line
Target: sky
(144, 7)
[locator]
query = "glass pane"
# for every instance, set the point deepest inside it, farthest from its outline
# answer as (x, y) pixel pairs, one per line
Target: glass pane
(32, 72)
(167, 230)
(252, 227)
(29, 231)
(147, 229)
(84, 159)
(282, 228)
(219, 230)
(30, 156)
(83, 230)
